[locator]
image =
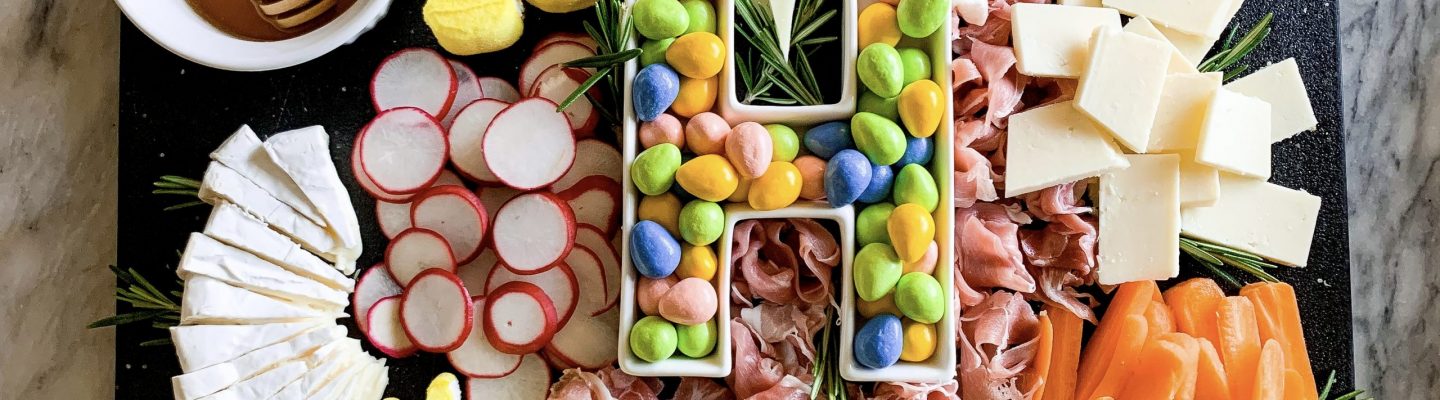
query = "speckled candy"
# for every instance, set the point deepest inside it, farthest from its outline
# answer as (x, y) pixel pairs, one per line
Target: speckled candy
(665, 128)
(648, 292)
(696, 96)
(779, 187)
(920, 18)
(701, 222)
(881, 179)
(882, 141)
(653, 51)
(697, 262)
(921, 106)
(926, 263)
(886, 305)
(911, 231)
(916, 63)
(749, 149)
(702, 16)
(697, 55)
(871, 225)
(654, 89)
(653, 251)
(846, 176)
(877, 270)
(878, 23)
(697, 341)
(659, 19)
(653, 170)
(826, 139)
(878, 343)
(709, 177)
(653, 339)
(705, 133)
(880, 69)
(664, 209)
(812, 175)
(917, 151)
(918, 296)
(915, 185)
(692, 301)
(874, 104)
(785, 143)
(919, 341)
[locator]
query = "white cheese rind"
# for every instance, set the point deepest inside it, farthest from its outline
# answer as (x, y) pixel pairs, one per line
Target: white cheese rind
(244, 153)
(1196, 17)
(208, 301)
(1199, 183)
(224, 184)
(1281, 85)
(206, 256)
(1121, 89)
(1054, 40)
(231, 225)
(1252, 215)
(262, 386)
(1236, 135)
(304, 154)
(1056, 144)
(1140, 220)
(200, 346)
(1179, 64)
(206, 381)
(1184, 101)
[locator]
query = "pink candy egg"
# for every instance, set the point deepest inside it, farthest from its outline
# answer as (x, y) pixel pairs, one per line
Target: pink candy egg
(812, 175)
(690, 302)
(649, 292)
(664, 129)
(749, 149)
(926, 263)
(706, 133)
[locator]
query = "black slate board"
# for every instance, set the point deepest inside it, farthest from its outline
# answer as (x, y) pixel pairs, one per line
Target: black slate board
(174, 112)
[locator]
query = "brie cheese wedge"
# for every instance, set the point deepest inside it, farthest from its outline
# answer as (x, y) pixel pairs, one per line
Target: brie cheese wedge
(208, 301)
(200, 346)
(231, 225)
(264, 385)
(224, 184)
(206, 256)
(244, 153)
(304, 154)
(212, 379)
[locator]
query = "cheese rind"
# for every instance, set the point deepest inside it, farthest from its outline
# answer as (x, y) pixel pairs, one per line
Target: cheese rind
(1281, 85)
(224, 184)
(1184, 101)
(1121, 89)
(1235, 137)
(231, 225)
(304, 154)
(1196, 17)
(207, 256)
(210, 301)
(1055, 144)
(1140, 220)
(200, 346)
(1054, 40)
(1252, 215)
(208, 380)
(1199, 183)
(1179, 64)
(244, 153)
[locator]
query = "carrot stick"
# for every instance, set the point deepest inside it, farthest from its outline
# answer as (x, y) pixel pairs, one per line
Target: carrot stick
(1211, 382)
(1131, 299)
(1270, 373)
(1239, 345)
(1193, 305)
(1278, 317)
(1165, 364)
(1160, 319)
(1068, 331)
(1295, 385)
(1192, 348)
(1126, 352)
(1035, 375)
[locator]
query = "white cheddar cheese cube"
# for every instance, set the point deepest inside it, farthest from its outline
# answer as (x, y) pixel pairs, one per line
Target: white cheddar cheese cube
(1054, 40)
(1184, 101)
(1193, 47)
(231, 225)
(1280, 85)
(206, 256)
(1196, 17)
(224, 184)
(1082, 3)
(1121, 89)
(1236, 135)
(304, 154)
(1056, 144)
(200, 346)
(207, 301)
(1199, 183)
(1252, 215)
(244, 153)
(212, 379)
(1143, 27)
(1140, 220)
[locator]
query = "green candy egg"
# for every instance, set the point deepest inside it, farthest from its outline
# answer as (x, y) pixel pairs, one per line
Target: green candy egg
(877, 270)
(885, 107)
(920, 18)
(920, 298)
(880, 69)
(785, 143)
(701, 222)
(653, 170)
(660, 19)
(701, 14)
(870, 224)
(915, 185)
(916, 64)
(653, 339)
(653, 51)
(881, 139)
(697, 341)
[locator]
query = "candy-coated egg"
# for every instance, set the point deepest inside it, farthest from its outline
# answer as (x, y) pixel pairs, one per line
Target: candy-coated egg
(697, 55)
(701, 222)
(911, 230)
(653, 51)
(917, 151)
(881, 178)
(872, 224)
(886, 305)
(654, 89)
(779, 187)
(785, 143)
(812, 175)
(702, 16)
(749, 149)
(826, 139)
(665, 128)
(915, 185)
(916, 63)
(659, 19)
(919, 341)
(918, 295)
(926, 263)
(742, 192)
(654, 169)
(664, 209)
(920, 18)
(697, 341)
(921, 105)
(846, 176)
(880, 69)
(709, 177)
(877, 270)
(878, 24)
(874, 104)
(653, 251)
(882, 141)
(697, 262)
(705, 133)
(879, 342)
(653, 339)
(648, 292)
(692, 301)
(696, 96)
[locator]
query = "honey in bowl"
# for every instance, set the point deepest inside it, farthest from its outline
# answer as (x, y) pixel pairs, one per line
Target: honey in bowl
(269, 20)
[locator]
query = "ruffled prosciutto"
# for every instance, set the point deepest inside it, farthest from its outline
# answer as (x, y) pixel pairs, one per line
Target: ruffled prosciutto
(1061, 256)
(625, 387)
(1060, 199)
(783, 261)
(575, 384)
(998, 339)
(757, 375)
(916, 391)
(987, 253)
(786, 331)
(692, 388)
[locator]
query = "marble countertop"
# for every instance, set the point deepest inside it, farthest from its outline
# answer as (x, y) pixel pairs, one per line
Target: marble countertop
(58, 71)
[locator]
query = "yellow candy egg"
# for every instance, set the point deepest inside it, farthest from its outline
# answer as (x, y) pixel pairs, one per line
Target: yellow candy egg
(696, 96)
(777, 188)
(663, 209)
(709, 177)
(919, 341)
(742, 192)
(885, 305)
(697, 55)
(696, 262)
(878, 24)
(911, 230)
(921, 103)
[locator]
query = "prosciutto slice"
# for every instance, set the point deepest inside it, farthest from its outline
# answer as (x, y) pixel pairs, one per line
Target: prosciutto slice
(575, 384)
(625, 387)
(998, 339)
(753, 371)
(783, 262)
(987, 253)
(692, 388)
(1061, 256)
(916, 391)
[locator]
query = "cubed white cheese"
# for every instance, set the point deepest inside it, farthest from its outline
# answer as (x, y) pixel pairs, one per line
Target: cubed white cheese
(1183, 103)
(304, 154)
(224, 184)
(1055, 144)
(1054, 40)
(231, 225)
(206, 256)
(210, 301)
(1194, 47)
(1199, 183)
(263, 386)
(1140, 220)
(1258, 217)
(1143, 27)
(1236, 135)
(200, 346)
(1196, 17)
(1121, 89)
(1280, 85)
(244, 153)
(1083, 3)
(208, 380)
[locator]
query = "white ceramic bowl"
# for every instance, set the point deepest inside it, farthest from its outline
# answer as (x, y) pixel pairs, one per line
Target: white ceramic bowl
(176, 27)
(730, 107)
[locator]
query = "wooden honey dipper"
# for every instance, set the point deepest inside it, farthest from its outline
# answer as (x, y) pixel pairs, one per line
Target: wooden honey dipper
(288, 14)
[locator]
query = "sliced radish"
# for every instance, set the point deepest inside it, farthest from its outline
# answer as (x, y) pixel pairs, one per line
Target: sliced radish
(533, 232)
(519, 318)
(476, 358)
(456, 214)
(402, 150)
(493, 197)
(414, 77)
(555, 362)
(593, 239)
(437, 311)
(369, 186)
(467, 89)
(467, 135)
(474, 273)
(552, 54)
(531, 381)
(595, 200)
(386, 332)
(582, 39)
(374, 284)
(588, 342)
(556, 84)
(498, 89)
(529, 145)
(415, 250)
(590, 275)
(560, 285)
(395, 217)
(592, 157)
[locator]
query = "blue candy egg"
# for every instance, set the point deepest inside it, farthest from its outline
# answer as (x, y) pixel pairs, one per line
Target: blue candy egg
(846, 176)
(878, 343)
(829, 138)
(881, 178)
(654, 252)
(917, 151)
(654, 88)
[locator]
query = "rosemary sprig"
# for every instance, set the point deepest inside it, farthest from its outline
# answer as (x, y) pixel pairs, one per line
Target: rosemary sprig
(611, 36)
(179, 186)
(827, 369)
(1215, 256)
(1232, 52)
(771, 70)
(1352, 395)
(160, 309)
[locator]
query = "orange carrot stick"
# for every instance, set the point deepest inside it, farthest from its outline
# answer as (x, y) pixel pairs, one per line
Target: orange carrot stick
(1067, 331)
(1295, 385)
(1160, 319)
(1165, 364)
(1270, 373)
(1278, 316)
(1239, 345)
(1034, 377)
(1211, 383)
(1126, 352)
(1131, 299)
(1193, 304)
(1192, 349)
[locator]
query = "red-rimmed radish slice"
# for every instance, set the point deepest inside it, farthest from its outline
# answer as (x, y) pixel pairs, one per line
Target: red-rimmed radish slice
(414, 77)
(415, 250)
(467, 135)
(588, 342)
(555, 362)
(528, 145)
(580, 38)
(402, 150)
(436, 311)
(395, 217)
(592, 157)
(456, 214)
(590, 275)
(494, 197)
(593, 239)
(374, 284)
(531, 381)
(467, 89)
(595, 200)
(560, 285)
(498, 89)
(476, 358)
(519, 318)
(386, 332)
(533, 232)
(552, 54)
(556, 84)
(476, 272)
(367, 185)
